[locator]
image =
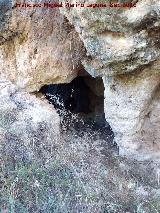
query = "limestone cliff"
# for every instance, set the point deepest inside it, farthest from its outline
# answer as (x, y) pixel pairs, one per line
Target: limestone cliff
(121, 45)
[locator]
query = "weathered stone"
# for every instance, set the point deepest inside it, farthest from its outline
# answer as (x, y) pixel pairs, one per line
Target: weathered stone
(117, 40)
(132, 108)
(29, 127)
(39, 46)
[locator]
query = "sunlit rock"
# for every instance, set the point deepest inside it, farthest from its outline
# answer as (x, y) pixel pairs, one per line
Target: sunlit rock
(38, 46)
(29, 127)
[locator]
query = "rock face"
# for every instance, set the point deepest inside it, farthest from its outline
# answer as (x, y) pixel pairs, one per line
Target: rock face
(132, 108)
(38, 46)
(29, 127)
(123, 47)
(118, 41)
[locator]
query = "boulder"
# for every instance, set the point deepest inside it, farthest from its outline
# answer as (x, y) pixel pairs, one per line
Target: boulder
(38, 46)
(117, 40)
(29, 127)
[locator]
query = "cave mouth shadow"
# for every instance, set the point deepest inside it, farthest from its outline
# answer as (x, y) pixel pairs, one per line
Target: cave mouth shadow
(83, 97)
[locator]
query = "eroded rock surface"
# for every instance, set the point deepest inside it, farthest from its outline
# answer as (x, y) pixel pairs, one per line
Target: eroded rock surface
(29, 127)
(38, 46)
(132, 108)
(123, 47)
(117, 40)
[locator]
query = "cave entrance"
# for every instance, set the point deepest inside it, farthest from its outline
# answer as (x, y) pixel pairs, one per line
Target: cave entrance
(84, 96)
(80, 105)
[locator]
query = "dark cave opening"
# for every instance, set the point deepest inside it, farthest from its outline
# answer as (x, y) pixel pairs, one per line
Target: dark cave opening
(84, 97)
(71, 96)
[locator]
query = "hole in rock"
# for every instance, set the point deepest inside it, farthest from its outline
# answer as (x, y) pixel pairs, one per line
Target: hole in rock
(83, 99)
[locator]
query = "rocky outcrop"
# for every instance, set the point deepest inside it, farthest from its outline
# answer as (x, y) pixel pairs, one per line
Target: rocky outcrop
(38, 46)
(29, 127)
(118, 40)
(123, 47)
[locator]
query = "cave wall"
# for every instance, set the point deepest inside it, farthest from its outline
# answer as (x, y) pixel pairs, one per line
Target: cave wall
(132, 108)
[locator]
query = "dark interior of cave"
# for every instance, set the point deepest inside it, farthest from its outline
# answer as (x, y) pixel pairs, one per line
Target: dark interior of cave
(73, 96)
(83, 96)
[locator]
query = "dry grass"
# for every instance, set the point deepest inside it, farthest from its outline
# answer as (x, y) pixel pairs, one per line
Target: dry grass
(85, 174)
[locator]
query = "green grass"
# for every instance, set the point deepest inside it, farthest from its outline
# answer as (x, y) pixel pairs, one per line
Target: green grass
(35, 189)
(76, 178)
